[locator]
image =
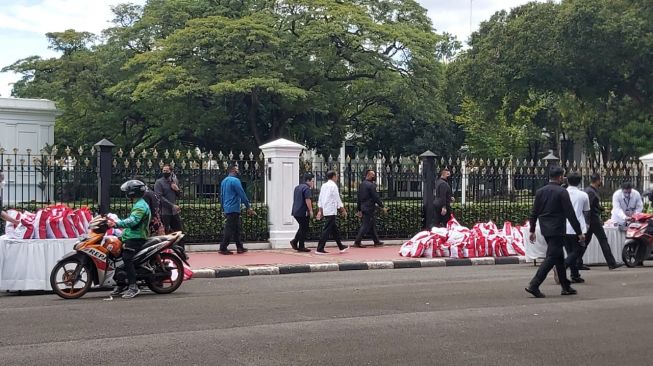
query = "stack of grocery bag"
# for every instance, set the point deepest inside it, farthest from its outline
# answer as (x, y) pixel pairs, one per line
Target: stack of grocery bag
(457, 241)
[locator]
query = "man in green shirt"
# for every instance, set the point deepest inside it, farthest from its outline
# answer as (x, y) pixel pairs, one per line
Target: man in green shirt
(135, 234)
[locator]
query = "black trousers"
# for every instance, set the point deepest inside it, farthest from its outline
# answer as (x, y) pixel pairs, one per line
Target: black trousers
(330, 229)
(368, 226)
(555, 257)
(440, 219)
(596, 228)
(231, 231)
(302, 232)
(129, 249)
(573, 248)
(172, 223)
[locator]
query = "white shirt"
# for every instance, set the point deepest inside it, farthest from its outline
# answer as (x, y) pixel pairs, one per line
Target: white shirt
(581, 202)
(621, 204)
(329, 200)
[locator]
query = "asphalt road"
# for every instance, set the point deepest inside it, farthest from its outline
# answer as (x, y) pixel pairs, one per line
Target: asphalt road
(477, 315)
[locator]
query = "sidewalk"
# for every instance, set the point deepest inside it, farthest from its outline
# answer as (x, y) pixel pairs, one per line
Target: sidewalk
(286, 261)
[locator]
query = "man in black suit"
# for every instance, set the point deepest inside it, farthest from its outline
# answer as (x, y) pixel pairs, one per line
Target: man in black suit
(552, 207)
(366, 204)
(596, 225)
(443, 199)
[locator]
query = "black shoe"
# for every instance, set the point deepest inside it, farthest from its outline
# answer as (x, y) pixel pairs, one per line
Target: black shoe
(359, 245)
(535, 292)
(577, 280)
(304, 250)
(293, 244)
(379, 244)
(584, 268)
(568, 291)
(321, 252)
(225, 252)
(241, 251)
(616, 266)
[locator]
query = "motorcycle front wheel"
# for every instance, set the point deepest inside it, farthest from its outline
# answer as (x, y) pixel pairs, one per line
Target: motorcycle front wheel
(629, 254)
(71, 279)
(168, 263)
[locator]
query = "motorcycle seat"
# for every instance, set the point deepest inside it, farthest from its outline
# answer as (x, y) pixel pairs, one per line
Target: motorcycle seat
(155, 240)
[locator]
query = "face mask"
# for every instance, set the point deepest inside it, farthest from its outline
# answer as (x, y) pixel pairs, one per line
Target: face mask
(167, 175)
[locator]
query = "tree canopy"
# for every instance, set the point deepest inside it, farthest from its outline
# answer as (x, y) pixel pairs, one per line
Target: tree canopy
(576, 70)
(225, 74)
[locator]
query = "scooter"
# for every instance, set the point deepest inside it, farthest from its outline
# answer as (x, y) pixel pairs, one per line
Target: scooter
(639, 240)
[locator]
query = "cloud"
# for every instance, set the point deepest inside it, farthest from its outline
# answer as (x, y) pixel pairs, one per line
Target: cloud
(45, 16)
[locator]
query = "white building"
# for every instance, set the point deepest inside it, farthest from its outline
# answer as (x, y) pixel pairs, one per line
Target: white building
(26, 125)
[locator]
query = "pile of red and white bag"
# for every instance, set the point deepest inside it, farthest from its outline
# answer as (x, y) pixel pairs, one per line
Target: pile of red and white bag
(457, 241)
(53, 222)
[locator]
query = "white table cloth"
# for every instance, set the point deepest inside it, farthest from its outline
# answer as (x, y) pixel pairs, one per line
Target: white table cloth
(593, 254)
(26, 264)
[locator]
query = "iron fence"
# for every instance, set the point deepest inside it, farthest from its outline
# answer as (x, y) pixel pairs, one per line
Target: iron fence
(71, 177)
(484, 189)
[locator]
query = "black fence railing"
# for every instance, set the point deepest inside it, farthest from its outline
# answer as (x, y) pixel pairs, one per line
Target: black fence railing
(484, 189)
(497, 190)
(71, 177)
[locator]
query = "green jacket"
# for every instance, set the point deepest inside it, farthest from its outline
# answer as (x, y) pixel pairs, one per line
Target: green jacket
(137, 224)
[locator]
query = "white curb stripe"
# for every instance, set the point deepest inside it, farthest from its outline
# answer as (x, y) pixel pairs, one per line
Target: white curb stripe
(324, 267)
(257, 271)
(432, 262)
(380, 265)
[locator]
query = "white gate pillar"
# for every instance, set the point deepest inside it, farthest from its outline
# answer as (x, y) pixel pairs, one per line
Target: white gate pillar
(281, 177)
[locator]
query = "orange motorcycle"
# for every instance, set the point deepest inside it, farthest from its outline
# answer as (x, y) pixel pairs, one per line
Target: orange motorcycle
(96, 260)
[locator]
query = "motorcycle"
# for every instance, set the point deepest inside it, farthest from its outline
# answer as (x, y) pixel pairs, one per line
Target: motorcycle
(639, 240)
(96, 260)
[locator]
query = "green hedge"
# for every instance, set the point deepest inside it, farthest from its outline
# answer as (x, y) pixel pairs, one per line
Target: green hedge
(204, 223)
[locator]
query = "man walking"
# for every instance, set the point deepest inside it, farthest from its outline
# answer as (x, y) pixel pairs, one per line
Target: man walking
(443, 199)
(551, 207)
(581, 204)
(368, 199)
(232, 196)
(302, 211)
(329, 204)
(167, 187)
(596, 225)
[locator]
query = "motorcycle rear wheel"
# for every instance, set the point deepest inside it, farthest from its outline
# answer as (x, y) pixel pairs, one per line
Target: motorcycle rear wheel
(629, 254)
(62, 281)
(173, 264)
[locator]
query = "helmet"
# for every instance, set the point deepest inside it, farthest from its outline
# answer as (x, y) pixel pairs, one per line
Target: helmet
(133, 188)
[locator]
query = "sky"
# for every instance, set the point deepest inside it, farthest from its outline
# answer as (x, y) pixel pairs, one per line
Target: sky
(23, 23)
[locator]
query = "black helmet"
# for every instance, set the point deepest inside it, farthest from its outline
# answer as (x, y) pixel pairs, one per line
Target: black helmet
(133, 188)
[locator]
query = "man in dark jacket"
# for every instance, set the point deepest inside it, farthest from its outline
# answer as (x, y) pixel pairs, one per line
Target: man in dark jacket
(302, 211)
(552, 207)
(595, 226)
(443, 199)
(167, 187)
(368, 199)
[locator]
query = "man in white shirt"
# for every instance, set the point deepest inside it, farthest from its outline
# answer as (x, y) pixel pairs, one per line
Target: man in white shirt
(581, 203)
(626, 202)
(329, 204)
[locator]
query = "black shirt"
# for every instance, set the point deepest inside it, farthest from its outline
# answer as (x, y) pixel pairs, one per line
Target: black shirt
(300, 195)
(443, 193)
(367, 197)
(595, 203)
(553, 208)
